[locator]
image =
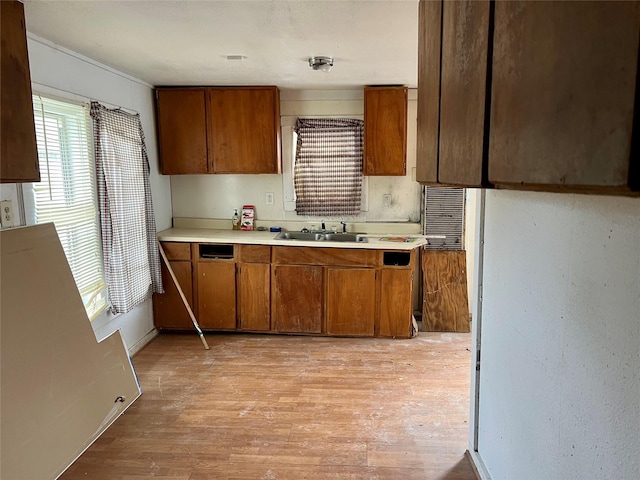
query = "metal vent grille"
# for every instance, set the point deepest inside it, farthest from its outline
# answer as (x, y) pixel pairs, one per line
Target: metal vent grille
(444, 215)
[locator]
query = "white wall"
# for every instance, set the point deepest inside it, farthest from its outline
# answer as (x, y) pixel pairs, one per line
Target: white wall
(470, 206)
(215, 196)
(560, 365)
(68, 75)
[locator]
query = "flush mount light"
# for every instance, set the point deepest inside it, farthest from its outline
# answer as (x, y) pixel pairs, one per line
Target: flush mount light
(321, 63)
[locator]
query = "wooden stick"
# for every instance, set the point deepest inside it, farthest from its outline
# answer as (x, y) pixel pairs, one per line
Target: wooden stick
(184, 299)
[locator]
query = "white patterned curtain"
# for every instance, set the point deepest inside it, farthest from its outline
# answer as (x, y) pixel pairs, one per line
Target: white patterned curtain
(131, 257)
(327, 174)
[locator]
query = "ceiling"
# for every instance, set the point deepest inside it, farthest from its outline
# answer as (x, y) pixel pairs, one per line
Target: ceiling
(187, 42)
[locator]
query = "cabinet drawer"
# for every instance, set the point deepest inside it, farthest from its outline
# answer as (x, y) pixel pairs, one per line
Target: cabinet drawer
(340, 257)
(177, 250)
(255, 253)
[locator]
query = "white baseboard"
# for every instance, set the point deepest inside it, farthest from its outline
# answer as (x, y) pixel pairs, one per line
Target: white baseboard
(478, 465)
(142, 342)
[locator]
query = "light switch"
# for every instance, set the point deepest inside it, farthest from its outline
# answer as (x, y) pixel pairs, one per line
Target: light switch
(268, 198)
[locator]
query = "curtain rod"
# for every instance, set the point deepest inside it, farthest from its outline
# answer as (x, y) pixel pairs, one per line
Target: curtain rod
(41, 89)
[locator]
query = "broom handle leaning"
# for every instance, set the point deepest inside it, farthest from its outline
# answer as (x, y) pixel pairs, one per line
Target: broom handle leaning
(184, 299)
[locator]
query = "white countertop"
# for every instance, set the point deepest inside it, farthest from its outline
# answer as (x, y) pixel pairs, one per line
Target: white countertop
(206, 235)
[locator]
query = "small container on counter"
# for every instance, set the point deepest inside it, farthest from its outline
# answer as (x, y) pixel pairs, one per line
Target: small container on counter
(248, 216)
(235, 220)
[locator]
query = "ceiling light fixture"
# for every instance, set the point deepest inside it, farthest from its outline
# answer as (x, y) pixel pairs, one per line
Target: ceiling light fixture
(321, 63)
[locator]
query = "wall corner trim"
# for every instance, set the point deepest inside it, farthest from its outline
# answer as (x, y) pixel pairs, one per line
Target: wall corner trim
(140, 344)
(477, 465)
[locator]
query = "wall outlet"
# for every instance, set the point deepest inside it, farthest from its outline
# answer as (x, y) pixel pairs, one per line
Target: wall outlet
(268, 198)
(6, 213)
(387, 199)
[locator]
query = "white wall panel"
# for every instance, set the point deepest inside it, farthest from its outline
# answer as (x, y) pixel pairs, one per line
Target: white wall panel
(560, 361)
(215, 196)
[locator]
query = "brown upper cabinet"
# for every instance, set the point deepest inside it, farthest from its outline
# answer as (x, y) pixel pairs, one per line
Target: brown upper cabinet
(219, 130)
(244, 128)
(182, 130)
(452, 83)
(529, 95)
(564, 89)
(385, 131)
(19, 152)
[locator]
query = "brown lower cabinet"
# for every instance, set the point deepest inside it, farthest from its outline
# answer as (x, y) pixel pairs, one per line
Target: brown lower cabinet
(254, 297)
(445, 306)
(297, 298)
(217, 294)
(351, 301)
(293, 290)
(253, 284)
(168, 309)
(396, 302)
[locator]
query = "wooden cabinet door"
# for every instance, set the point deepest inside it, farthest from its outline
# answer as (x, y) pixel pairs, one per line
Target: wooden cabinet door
(564, 89)
(351, 301)
(428, 130)
(18, 151)
(182, 131)
(254, 296)
(465, 37)
(169, 311)
(385, 131)
(244, 130)
(445, 305)
(217, 295)
(297, 298)
(396, 302)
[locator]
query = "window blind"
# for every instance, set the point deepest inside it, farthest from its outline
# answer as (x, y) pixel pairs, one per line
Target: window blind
(66, 194)
(327, 173)
(444, 215)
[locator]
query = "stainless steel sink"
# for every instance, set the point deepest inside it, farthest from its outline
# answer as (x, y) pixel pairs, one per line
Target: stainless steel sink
(320, 237)
(344, 237)
(309, 237)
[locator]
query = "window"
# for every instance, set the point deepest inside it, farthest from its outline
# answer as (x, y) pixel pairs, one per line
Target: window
(66, 194)
(444, 216)
(327, 173)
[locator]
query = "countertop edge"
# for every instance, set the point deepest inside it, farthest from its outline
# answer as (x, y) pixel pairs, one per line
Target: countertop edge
(267, 238)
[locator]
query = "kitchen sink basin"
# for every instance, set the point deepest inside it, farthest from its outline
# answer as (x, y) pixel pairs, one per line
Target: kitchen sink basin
(309, 237)
(344, 237)
(320, 237)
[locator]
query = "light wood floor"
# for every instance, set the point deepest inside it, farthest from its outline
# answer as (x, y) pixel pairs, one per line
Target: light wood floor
(279, 407)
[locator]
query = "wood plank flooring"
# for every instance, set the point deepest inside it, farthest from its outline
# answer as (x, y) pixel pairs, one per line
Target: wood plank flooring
(292, 407)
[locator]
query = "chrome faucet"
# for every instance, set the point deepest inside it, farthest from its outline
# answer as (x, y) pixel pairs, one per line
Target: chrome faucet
(324, 228)
(344, 226)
